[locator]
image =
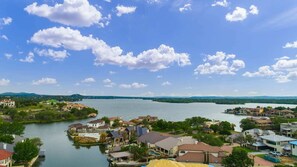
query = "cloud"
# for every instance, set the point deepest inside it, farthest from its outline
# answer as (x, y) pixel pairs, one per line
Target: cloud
(284, 70)
(262, 72)
(240, 14)
(4, 82)
(88, 80)
(167, 83)
(55, 55)
(153, 59)
(72, 13)
(107, 1)
(5, 21)
(220, 63)
(8, 56)
(134, 85)
(291, 45)
(125, 10)
(185, 8)
(4, 37)
(108, 83)
(154, 1)
(29, 58)
(45, 81)
(223, 3)
(112, 72)
(159, 76)
(254, 10)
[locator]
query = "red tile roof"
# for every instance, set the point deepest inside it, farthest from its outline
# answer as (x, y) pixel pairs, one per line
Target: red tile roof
(191, 157)
(5, 154)
(199, 147)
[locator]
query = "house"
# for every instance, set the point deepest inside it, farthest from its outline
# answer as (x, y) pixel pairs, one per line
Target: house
(141, 131)
(288, 129)
(207, 124)
(113, 119)
(7, 103)
(281, 112)
(277, 142)
(262, 122)
(256, 135)
(293, 145)
(5, 158)
(148, 118)
(116, 136)
(151, 138)
(9, 147)
(200, 153)
(120, 156)
(169, 145)
(96, 123)
(74, 127)
(69, 106)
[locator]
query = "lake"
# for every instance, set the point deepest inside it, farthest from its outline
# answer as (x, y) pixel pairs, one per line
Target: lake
(60, 151)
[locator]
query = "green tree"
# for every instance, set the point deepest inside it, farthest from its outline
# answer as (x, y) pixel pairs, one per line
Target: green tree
(25, 151)
(238, 158)
(215, 128)
(247, 124)
(106, 120)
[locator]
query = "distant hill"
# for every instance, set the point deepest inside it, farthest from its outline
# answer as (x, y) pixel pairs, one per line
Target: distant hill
(19, 94)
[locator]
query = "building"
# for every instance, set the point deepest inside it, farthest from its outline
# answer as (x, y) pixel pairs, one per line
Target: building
(293, 145)
(262, 122)
(277, 142)
(200, 153)
(96, 123)
(148, 118)
(256, 135)
(288, 129)
(70, 106)
(5, 158)
(151, 138)
(141, 131)
(113, 119)
(207, 124)
(7, 103)
(169, 145)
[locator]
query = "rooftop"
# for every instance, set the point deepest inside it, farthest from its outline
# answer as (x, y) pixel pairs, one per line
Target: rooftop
(120, 154)
(277, 138)
(199, 147)
(151, 137)
(4, 154)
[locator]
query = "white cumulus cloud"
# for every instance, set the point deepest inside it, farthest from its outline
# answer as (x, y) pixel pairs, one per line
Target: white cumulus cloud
(5, 21)
(186, 7)
(4, 37)
(29, 58)
(4, 82)
(45, 81)
(153, 59)
(166, 83)
(88, 80)
(223, 3)
(220, 63)
(134, 85)
(72, 13)
(291, 45)
(8, 56)
(125, 10)
(240, 14)
(108, 83)
(284, 70)
(55, 55)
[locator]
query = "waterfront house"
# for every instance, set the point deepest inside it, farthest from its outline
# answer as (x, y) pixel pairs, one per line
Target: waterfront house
(9, 147)
(113, 119)
(148, 118)
(262, 122)
(120, 156)
(5, 158)
(169, 145)
(151, 138)
(281, 112)
(288, 129)
(277, 142)
(7, 103)
(96, 123)
(200, 153)
(74, 127)
(207, 124)
(69, 106)
(116, 136)
(141, 131)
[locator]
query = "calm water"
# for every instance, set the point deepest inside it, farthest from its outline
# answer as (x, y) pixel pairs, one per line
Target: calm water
(61, 153)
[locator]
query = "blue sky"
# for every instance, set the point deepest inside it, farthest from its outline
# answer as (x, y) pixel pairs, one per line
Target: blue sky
(149, 47)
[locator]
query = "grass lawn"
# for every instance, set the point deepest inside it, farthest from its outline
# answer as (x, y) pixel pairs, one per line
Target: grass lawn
(261, 155)
(247, 149)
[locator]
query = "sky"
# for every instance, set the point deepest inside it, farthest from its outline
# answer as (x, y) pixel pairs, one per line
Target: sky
(149, 47)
